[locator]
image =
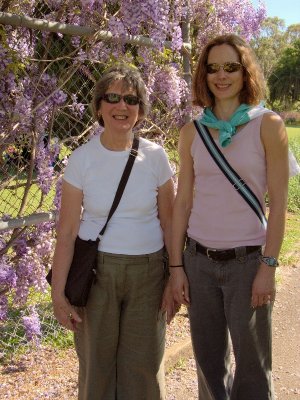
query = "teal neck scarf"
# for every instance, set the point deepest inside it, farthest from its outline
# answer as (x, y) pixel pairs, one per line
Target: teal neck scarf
(243, 114)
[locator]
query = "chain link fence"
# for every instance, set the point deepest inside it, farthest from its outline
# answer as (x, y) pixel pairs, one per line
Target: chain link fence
(50, 95)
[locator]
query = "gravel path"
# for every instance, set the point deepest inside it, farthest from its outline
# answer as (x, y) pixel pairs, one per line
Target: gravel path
(52, 374)
(286, 336)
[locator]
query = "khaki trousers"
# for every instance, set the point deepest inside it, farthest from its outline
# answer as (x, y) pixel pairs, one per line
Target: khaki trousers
(120, 342)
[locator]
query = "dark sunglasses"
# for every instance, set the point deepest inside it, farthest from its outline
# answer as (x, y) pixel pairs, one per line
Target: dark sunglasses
(114, 98)
(227, 67)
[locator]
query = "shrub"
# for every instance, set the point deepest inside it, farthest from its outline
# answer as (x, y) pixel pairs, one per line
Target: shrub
(290, 117)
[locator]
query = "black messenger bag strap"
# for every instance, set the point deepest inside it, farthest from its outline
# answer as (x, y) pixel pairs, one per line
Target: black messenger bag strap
(238, 183)
(123, 181)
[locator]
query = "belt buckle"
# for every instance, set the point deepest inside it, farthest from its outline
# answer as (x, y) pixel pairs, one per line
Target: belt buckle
(207, 253)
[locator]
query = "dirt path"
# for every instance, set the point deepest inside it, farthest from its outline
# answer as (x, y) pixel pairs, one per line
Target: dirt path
(286, 345)
(286, 335)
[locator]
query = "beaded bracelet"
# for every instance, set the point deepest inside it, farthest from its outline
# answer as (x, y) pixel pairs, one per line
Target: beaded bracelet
(176, 266)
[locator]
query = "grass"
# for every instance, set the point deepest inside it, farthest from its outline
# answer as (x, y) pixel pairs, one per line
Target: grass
(10, 200)
(291, 244)
(181, 364)
(294, 183)
(293, 131)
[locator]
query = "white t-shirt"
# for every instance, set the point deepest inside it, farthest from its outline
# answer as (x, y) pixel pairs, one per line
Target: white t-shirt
(134, 228)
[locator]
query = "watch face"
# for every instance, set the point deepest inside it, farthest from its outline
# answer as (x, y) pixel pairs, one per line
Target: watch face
(271, 261)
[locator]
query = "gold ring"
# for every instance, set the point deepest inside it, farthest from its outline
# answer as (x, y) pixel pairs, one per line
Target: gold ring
(70, 316)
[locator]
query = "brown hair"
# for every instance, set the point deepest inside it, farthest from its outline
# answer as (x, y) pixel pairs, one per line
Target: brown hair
(253, 90)
(131, 78)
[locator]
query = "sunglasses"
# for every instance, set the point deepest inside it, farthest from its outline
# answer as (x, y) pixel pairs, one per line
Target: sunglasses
(227, 67)
(114, 98)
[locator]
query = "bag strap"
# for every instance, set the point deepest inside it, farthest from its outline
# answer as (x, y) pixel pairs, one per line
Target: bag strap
(238, 183)
(123, 181)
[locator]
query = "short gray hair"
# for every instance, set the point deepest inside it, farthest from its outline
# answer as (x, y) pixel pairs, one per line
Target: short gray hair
(131, 79)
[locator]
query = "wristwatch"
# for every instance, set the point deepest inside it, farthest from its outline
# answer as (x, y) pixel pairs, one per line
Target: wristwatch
(270, 261)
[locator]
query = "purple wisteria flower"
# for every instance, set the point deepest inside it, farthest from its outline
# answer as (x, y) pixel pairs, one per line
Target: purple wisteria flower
(44, 165)
(57, 198)
(7, 274)
(76, 107)
(3, 307)
(32, 325)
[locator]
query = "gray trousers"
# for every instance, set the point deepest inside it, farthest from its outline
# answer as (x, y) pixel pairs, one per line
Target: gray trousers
(221, 303)
(120, 343)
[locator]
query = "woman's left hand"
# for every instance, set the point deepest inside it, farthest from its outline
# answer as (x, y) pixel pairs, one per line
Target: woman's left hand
(263, 288)
(65, 313)
(168, 304)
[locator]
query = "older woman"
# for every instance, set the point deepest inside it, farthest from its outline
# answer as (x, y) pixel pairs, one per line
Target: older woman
(119, 335)
(228, 276)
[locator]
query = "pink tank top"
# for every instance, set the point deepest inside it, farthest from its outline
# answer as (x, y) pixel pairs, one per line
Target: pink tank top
(220, 217)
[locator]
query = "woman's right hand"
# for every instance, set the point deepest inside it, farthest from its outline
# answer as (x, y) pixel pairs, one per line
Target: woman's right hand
(180, 286)
(65, 313)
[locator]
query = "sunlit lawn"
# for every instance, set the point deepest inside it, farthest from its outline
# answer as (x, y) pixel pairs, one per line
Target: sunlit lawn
(291, 243)
(10, 200)
(293, 131)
